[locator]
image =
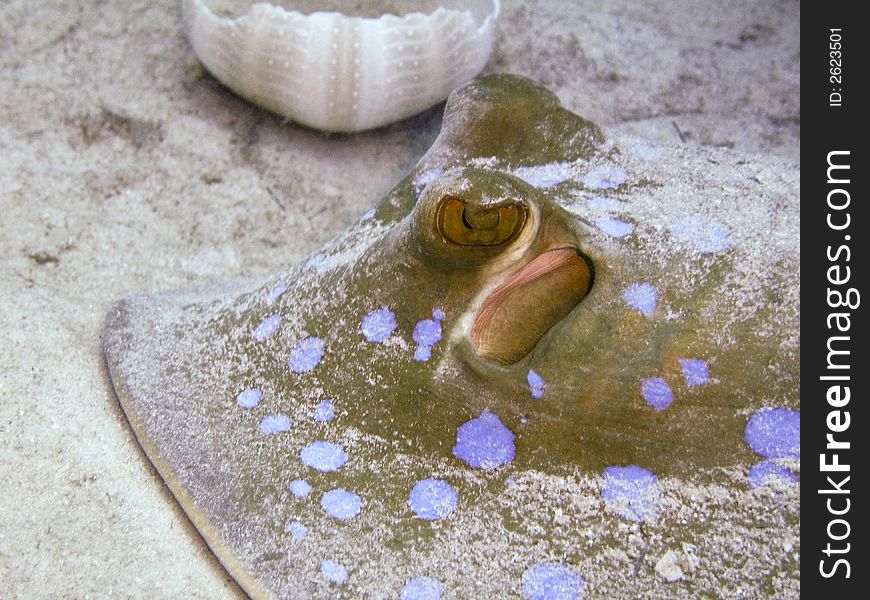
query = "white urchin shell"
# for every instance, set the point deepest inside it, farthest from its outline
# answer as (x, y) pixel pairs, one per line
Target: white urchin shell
(336, 72)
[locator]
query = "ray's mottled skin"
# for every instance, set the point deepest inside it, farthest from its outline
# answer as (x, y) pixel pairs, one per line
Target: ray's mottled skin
(644, 337)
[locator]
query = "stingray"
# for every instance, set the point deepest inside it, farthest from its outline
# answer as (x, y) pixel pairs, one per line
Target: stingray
(538, 336)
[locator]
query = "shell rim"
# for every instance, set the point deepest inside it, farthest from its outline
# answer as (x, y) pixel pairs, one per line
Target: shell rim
(491, 15)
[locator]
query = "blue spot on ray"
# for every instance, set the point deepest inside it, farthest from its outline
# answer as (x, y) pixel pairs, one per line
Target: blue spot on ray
(602, 203)
(641, 296)
(631, 492)
(766, 471)
(296, 529)
(274, 424)
(249, 398)
(552, 581)
(432, 499)
(422, 588)
(341, 504)
(657, 393)
(324, 412)
(323, 456)
(544, 176)
(775, 433)
(378, 325)
(333, 571)
(300, 488)
(536, 384)
(704, 234)
(306, 354)
(614, 227)
(368, 214)
(484, 442)
(275, 293)
(605, 178)
(267, 328)
(695, 371)
(427, 333)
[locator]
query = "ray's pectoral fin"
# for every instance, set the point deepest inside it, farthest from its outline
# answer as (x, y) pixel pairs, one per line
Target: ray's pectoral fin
(520, 311)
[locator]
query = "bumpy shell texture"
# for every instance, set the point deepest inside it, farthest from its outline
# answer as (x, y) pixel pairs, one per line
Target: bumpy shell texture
(336, 72)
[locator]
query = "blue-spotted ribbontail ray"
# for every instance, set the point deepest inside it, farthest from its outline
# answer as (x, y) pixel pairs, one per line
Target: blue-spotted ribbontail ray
(546, 360)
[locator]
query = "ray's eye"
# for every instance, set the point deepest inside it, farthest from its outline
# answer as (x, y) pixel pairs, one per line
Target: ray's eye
(468, 217)
(472, 225)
